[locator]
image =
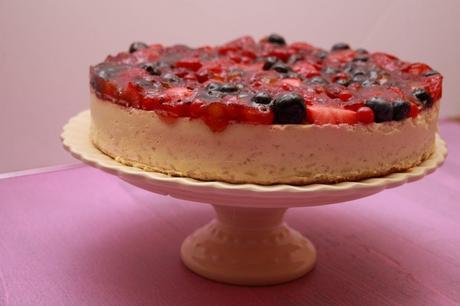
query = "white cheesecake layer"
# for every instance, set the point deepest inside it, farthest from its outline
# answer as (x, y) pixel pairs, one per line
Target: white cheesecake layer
(261, 154)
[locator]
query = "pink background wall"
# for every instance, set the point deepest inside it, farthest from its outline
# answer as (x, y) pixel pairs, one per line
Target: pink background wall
(46, 47)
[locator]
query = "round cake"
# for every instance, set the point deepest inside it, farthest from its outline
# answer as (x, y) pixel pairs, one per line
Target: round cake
(264, 112)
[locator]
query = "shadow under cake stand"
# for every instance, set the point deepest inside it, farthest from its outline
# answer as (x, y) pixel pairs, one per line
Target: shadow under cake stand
(247, 243)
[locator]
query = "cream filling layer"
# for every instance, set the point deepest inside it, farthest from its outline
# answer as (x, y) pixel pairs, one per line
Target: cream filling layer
(261, 154)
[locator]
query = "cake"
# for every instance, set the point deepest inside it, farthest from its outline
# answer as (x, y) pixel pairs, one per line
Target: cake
(264, 112)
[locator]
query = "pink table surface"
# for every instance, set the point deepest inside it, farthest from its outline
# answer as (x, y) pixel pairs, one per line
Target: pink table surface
(82, 237)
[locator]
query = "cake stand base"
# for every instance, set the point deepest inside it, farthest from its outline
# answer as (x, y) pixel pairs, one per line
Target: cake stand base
(248, 246)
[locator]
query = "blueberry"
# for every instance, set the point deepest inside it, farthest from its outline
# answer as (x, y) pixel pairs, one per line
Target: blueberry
(108, 70)
(281, 67)
(213, 87)
(212, 90)
(137, 45)
(147, 85)
(294, 58)
(349, 67)
(269, 62)
(359, 77)
(161, 64)
(276, 39)
(343, 82)
(401, 110)
(367, 83)
(430, 73)
(361, 58)
(321, 54)
(171, 77)
(152, 69)
(340, 46)
(359, 72)
(423, 96)
(361, 51)
(318, 80)
(330, 70)
(289, 108)
(228, 87)
(383, 110)
(291, 75)
(262, 98)
(373, 75)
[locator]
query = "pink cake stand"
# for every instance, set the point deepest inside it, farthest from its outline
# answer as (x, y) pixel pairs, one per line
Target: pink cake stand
(247, 243)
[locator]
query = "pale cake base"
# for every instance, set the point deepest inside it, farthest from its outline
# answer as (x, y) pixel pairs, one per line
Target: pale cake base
(261, 154)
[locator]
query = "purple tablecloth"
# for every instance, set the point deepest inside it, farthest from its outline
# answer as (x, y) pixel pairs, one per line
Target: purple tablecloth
(82, 237)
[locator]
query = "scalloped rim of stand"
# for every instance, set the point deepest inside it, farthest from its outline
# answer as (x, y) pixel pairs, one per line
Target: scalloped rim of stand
(76, 140)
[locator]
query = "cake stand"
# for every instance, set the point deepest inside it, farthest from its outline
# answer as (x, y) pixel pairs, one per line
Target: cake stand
(247, 243)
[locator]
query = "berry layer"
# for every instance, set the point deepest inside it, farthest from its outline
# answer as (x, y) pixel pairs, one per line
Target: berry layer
(267, 82)
(261, 154)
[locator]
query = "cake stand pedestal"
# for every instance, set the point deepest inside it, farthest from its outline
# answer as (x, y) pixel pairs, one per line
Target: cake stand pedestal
(248, 246)
(247, 243)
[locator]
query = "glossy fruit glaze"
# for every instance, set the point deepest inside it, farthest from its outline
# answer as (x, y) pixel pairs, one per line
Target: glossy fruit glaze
(266, 82)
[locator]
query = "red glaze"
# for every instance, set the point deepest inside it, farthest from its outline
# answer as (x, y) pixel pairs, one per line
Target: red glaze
(335, 85)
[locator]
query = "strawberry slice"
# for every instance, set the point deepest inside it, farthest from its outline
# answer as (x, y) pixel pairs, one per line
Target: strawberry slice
(245, 42)
(189, 63)
(281, 53)
(216, 117)
(257, 116)
(132, 94)
(414, 110)
(353, 105)
(318, 114)
(178, 93)
(341, 57)
(149, 54)
(297, 46)
(417, 68)
(105, 87)
(126, 76)
(434, 86)
(386, 61)
(154, 101)
(290, 82)
(305, 69)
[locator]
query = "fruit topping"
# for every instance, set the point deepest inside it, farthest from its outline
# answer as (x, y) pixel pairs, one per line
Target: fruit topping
(267, 82)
